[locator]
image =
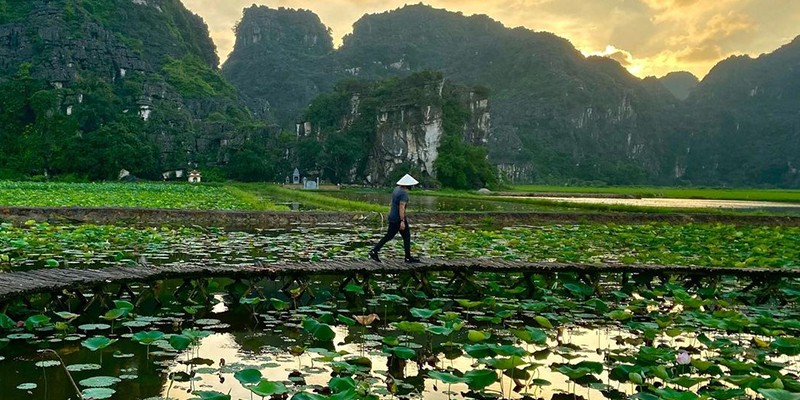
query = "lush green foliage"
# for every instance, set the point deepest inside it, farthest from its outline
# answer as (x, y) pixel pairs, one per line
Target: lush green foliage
(163, 107)
(14, 10)
(657, 243)
(507, 335)
(461, 165)
(146, 195)
(195, 79)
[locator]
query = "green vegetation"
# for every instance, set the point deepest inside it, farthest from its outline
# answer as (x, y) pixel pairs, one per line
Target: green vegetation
(144, 195)
(12, 11)
(34, 244)
(195, 79)
(461, 165)
(500, 335)
(317, 200)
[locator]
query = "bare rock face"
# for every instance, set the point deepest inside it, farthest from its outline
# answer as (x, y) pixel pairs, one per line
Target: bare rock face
(405, 123)
(411, 133)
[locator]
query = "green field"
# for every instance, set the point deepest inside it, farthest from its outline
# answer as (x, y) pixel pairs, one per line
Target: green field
(144, 195)
(270, 197)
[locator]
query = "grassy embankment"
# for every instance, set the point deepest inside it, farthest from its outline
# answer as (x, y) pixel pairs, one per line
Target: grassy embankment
(309, 200)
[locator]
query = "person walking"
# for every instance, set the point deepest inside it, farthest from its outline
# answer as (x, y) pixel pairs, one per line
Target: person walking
(397, 220)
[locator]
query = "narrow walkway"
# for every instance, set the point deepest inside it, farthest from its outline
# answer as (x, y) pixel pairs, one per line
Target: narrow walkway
(16, 284)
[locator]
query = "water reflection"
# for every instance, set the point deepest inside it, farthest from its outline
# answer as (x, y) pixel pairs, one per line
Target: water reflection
(683, 203)
(420, 202)
(257, 350)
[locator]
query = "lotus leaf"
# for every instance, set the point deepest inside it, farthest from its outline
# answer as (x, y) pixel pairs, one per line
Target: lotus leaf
(180, 342)
(27, 386)
(579, 289)
(211, 395)
(92, 327)
(267, 388)
(116, 313)
(6, 323)
(478, 379)
(339, 385)
(439, 330)
(508, 350)
(410, 327)
(478, 350)
(543, 322)
(786, 345)
(506, 363)
(248, 376)
(401, 352)
(98, 393)
(517, 374)
(320, 331)
(686, 381)
(346, 320)
(425, 313)
(99, 381)
(446, 377)
(478, 336)
(619, 315)
(308, 396)
(671, 394)
(83, 367)
(97, 343)
(122, 304)
(47, 363)
(723, 394)
(67, 315)
(148, 337)
(531, 335)
(36, 321)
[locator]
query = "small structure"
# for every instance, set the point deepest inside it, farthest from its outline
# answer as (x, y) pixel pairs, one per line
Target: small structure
(310, 184)
(174, 174)
(194, 176)
(296, 177)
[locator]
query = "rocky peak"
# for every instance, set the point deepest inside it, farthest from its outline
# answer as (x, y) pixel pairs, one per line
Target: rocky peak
(282, 29)
(680, 83)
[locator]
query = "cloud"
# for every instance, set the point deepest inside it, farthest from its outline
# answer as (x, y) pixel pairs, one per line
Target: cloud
(658, 36)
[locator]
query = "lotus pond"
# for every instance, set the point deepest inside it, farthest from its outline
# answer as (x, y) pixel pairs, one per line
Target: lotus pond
(42, 245)
(564, 339)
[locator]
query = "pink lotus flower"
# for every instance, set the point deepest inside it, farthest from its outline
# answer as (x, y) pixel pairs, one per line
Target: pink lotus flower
(683, 358)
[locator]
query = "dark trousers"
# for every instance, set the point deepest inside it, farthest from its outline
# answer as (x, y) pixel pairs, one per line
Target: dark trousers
(394, 227)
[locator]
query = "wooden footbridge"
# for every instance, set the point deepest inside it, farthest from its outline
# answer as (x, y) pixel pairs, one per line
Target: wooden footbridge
(61, 284)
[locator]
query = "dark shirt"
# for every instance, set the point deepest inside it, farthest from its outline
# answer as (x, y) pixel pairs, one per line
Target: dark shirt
(398, 195)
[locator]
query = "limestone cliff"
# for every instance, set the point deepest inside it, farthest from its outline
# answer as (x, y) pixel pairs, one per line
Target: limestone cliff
(280, 61)
(401, 123)
(101, 62)
(556, 113)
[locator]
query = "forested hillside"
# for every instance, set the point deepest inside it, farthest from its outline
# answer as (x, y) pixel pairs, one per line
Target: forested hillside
(93, 86)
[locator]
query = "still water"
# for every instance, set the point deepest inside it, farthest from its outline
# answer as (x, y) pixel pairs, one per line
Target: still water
(742, 205)
(421, 202)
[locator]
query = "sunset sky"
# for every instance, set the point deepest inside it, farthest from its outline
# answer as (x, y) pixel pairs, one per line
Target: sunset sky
(649, 37)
